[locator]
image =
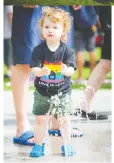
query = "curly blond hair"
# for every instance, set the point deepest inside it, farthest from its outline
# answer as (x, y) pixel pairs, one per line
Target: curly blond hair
(57, 15)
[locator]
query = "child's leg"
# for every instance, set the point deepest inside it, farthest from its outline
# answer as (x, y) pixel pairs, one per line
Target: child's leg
(54, 129)
(39, 134)
(40, 128)
(65, 127)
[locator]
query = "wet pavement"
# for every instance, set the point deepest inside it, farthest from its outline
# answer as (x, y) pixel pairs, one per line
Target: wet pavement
(94, 146)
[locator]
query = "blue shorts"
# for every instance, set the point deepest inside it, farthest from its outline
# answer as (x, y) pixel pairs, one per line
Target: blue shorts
(85, 40)
(24, 33)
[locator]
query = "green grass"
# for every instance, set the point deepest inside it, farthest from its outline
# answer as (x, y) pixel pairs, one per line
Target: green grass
(86, 74)
(104, 86)
(60, 2)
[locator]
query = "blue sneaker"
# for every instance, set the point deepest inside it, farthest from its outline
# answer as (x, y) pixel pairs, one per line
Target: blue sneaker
(75, 133)
(37, 151)
(68, 151)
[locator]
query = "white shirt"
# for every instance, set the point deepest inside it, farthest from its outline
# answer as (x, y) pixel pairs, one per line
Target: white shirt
(7, 25)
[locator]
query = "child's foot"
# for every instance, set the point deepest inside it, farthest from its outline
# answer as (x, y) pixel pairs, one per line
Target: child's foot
(74, 133)
(37, 151)
(68, 151)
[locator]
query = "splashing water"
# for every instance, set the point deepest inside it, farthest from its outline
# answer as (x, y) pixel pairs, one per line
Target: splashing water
(55, 106)
(56, 110)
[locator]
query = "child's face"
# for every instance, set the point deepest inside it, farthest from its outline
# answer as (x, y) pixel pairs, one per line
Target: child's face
(52, 31)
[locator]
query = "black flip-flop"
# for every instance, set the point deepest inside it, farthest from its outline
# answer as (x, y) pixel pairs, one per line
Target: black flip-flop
(92, 116)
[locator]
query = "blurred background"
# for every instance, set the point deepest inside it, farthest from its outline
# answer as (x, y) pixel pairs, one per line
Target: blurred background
(77, 79)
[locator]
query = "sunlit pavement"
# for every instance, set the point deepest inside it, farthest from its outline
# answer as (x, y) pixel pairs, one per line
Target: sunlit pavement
(94, 146)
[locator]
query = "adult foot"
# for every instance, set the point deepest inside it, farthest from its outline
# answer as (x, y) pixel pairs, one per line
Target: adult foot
(26, 138)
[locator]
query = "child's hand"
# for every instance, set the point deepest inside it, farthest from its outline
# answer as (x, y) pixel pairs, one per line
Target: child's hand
(67, 71)
(45, 71)
(63, 69)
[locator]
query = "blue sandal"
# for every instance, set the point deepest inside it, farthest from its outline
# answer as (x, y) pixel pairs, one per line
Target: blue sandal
(68, 151)
(54, 132)
(37, 151)
(24, 139)
(58, 133)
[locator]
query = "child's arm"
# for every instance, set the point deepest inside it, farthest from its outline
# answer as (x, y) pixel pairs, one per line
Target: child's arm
(41, 71)
(67, 71)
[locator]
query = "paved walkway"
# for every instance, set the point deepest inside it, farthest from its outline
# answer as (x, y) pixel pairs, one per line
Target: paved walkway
(94, 146)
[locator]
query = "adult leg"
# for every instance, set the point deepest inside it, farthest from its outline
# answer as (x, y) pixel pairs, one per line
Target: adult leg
(80, 48)
(80, 64)
(22, 45)
(92, 60)
(96, 78)
(91, 48)
(100, 71)
(19, 81)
